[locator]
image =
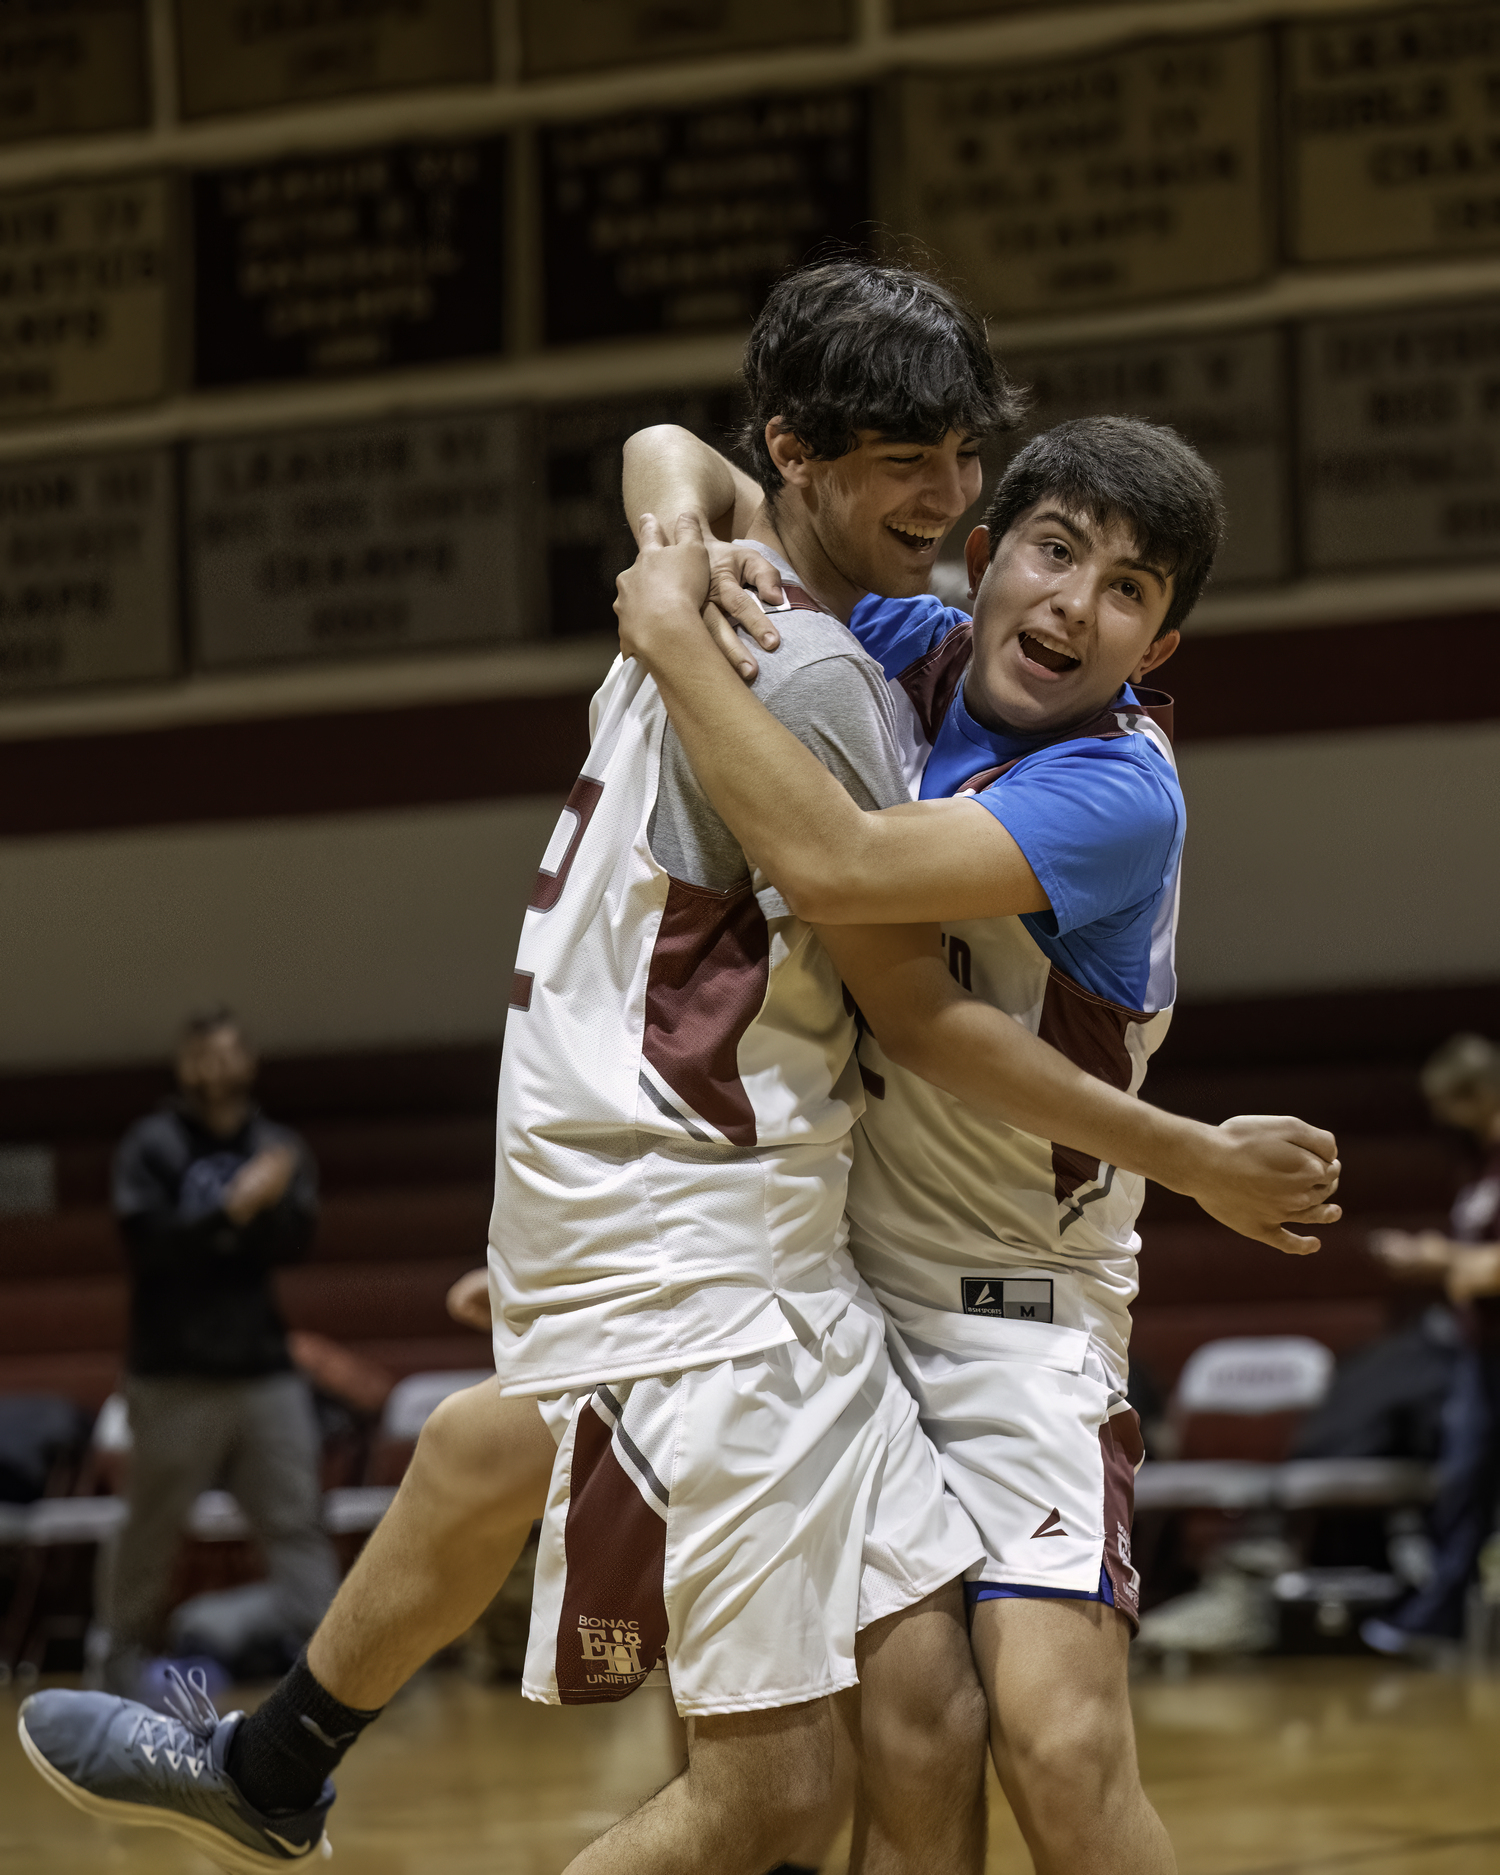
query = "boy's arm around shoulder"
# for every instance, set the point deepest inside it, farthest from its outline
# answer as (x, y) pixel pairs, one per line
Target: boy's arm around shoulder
(833, 862)
(1255, 1173)
(668, 471)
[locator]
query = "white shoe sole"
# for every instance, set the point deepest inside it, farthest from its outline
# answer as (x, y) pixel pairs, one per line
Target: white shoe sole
(219, 1848)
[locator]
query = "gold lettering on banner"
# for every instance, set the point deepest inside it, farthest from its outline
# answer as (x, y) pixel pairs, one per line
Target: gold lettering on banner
(559, 36)
(1394, 134)
(69, 67)
(87, 571)
(346, 543)
(239, 55)
(1401, 437)
(1136, 175)
(83, 296)
(682, 219)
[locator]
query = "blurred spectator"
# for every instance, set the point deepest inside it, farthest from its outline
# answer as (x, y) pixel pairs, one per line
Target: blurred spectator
(1462, 1086)
(211, 1196)
(468, 1300)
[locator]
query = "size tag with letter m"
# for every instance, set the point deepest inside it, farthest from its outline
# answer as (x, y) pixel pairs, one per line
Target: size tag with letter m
(1015, 1298)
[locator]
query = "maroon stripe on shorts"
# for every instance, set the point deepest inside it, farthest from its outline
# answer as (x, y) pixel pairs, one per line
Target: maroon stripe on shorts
(613, 1625)
(1122, 1449)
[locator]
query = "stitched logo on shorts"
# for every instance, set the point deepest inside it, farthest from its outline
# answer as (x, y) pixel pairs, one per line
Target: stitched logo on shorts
(1015, 1298)
(613, 1646)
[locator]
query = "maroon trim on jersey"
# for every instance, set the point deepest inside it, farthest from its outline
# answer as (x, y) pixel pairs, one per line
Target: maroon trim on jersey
(520, 989)
(612, 1629)
(1090, 1030)
(1158, 706)
(583, 799)
(799, 600)
(1105, 727)
(1122, 1449)
(932, 682)
(709, 970)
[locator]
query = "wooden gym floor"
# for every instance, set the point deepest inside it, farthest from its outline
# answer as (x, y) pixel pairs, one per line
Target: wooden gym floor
(1301, 1767)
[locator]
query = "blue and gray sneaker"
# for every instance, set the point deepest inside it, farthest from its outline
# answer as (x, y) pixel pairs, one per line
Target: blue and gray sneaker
(119, 1760)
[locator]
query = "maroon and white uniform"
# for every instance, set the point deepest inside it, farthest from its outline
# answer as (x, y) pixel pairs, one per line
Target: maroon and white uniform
(741, 1479)
(1005, 1262)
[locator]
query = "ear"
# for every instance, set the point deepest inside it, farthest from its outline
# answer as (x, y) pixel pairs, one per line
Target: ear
(977, 558)
(1157, 652)
(788, 452)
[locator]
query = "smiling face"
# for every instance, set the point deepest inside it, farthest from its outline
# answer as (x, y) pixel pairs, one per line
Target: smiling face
(872, 520)
(1065, 611)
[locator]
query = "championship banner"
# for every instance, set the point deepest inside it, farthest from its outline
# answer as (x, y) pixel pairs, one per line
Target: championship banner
(88, 571)
(355, 542)
(84, 302)
(70, 68)
(1139, 174)
(349, 261)
(1391, 140)
(1401, 438)
(678, 221)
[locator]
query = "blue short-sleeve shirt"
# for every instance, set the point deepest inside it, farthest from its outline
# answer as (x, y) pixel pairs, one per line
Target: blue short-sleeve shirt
(1101, 822)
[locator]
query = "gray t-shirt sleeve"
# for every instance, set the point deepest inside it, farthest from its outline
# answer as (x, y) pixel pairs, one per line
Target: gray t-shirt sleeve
(840, 707)
(835, 700)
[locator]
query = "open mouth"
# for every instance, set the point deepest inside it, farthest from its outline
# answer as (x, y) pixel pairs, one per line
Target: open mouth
(919, 538)
(1050, 657)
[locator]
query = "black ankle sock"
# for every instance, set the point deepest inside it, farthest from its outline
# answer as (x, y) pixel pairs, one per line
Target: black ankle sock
(282, 1752)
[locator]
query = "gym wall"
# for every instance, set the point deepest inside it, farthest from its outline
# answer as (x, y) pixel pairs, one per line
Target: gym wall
(320, 328)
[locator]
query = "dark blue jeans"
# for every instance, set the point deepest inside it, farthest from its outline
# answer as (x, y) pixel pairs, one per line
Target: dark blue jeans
(1463, 1514)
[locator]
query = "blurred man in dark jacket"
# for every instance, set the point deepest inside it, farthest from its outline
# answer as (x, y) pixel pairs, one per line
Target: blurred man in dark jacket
(211, 1196)
(1462, 1086)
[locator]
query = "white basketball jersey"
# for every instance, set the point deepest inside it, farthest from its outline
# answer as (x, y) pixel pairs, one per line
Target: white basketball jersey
(941, 1197)
(677, 1088)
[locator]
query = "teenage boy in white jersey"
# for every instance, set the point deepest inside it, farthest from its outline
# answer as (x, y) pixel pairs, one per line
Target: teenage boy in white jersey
(483, 1462)
(1005, 1261)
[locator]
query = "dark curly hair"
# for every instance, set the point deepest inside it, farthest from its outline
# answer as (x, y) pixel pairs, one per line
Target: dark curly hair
(1124, 469)
(845, 345)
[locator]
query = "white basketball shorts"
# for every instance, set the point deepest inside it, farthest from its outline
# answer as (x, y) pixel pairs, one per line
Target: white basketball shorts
(1036, 1443)
(742, 1522)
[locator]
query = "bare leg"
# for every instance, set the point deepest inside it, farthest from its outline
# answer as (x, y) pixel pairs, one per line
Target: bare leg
(922, 1724)
(1063, 1737)
(811, 1846)
(756, 1784)
(810, 1850)
(432, 1565)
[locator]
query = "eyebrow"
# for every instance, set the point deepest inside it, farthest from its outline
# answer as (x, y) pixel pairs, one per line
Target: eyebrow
(883, 439)
(1151, 572)
(1086, 539)
(1069, 525)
